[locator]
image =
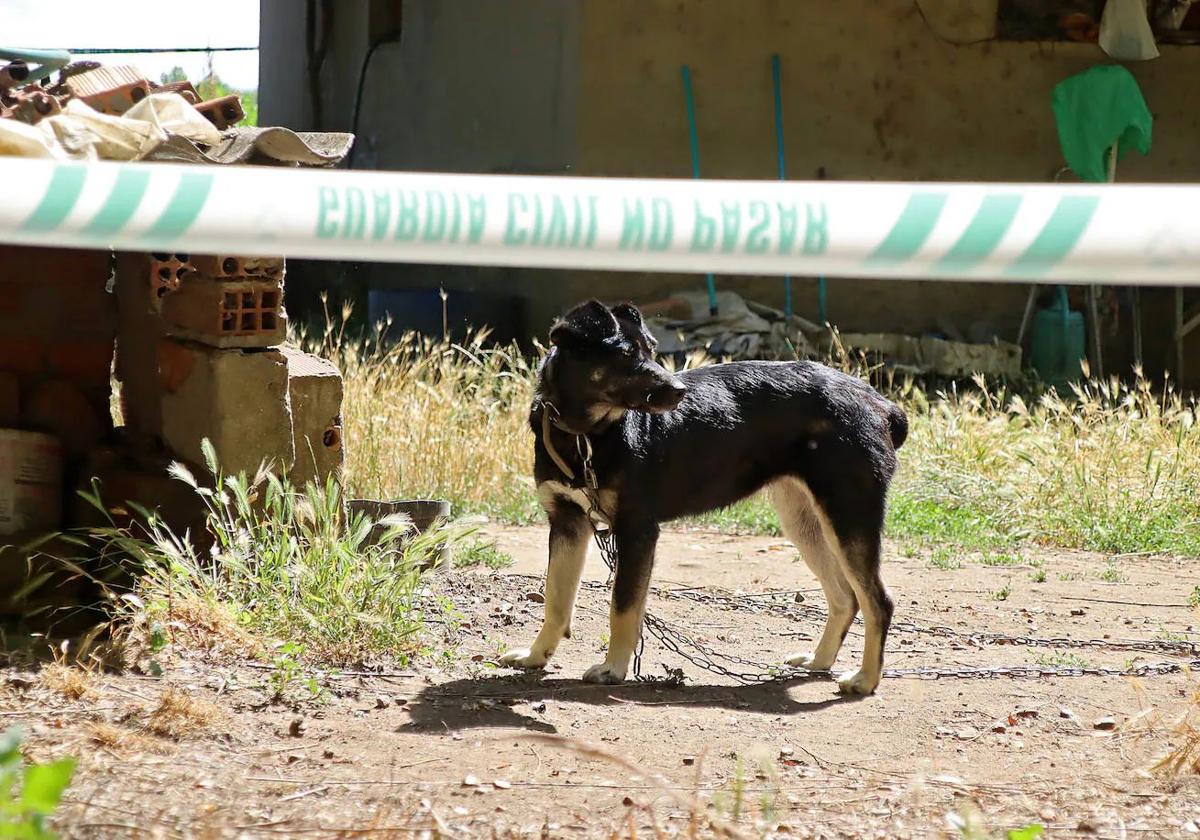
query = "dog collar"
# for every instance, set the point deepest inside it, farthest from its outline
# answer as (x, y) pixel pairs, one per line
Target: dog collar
(548, 442)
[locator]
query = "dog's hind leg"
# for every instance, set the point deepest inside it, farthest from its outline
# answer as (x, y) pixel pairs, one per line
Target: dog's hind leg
(801, 523)
(635, 561)
(856, 527)
(569, 534)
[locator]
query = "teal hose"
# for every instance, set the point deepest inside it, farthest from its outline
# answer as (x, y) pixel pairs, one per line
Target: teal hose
(694, 143)
(42, 61)
(777, 83)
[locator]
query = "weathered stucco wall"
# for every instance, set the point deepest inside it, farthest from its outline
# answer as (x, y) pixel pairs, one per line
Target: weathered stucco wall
(871, 91)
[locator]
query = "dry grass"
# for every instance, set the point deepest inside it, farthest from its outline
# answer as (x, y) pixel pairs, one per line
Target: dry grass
(1111, 467)
(192, 623)
(1183, 756)
(1115, 467)
(179, 715)
(71, 682)
(431, 419)
(121, 740)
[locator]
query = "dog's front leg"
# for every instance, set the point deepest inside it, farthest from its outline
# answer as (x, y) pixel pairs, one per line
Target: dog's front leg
(635, 561)
(569, 534)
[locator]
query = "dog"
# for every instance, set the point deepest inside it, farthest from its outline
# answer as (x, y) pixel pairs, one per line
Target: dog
(622, 440)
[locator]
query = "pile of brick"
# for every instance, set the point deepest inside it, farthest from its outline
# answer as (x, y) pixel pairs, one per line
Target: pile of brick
(194, 345)
(109, 90)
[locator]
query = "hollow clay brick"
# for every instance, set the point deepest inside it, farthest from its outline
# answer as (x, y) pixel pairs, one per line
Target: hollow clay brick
(227, 313)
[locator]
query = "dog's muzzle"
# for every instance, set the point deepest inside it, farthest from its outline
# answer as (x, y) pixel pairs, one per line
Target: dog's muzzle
(666, 397)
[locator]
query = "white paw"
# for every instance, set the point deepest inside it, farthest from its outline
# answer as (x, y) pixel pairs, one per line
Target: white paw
(524, 658)
(604, 674)
(857, 682)
(808, 661)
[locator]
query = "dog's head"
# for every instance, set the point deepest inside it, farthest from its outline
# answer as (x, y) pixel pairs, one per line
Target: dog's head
(602, 364)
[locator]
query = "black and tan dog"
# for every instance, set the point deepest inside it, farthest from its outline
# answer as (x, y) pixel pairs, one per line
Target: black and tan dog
(664, 446)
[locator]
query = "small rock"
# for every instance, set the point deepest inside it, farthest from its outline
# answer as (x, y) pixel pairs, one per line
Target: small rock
(297, 728)
(539, 706)
(382, 702)
(1064, 712)
(327, 754)
(470, 780)
(1048, 815)
(786, 751)
(502, 784)
(1087, 826)
(1078, 611)
(400, 701)
(1026, 713)
(627, 802)
(689, 760)
(536, 597)
(967, 734)
(1000, 727)
(1105, 723)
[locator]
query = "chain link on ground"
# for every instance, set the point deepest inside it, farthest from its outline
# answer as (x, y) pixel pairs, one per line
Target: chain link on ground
(752, 672)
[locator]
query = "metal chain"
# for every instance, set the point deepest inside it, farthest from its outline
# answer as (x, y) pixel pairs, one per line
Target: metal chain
(707, 658)
(796, 611)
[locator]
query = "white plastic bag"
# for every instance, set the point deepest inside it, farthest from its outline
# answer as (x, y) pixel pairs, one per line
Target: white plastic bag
(1125, 33)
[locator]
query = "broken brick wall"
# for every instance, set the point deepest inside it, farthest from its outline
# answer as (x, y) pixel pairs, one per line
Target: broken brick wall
(57, 328)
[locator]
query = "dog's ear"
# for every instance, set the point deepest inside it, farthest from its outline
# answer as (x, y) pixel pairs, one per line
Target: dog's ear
(590, 322)
(629, 312)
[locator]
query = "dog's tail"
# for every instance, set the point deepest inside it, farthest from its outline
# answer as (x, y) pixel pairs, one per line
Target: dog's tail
(897, 425)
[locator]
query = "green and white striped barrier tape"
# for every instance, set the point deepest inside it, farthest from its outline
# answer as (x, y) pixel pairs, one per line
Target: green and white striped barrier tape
(1128, 234)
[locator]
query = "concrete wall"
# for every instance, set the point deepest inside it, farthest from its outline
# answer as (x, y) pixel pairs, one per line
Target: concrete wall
(872, 90)
(471, 87)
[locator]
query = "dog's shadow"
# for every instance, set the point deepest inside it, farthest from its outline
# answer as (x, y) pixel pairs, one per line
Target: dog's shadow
(520, 701)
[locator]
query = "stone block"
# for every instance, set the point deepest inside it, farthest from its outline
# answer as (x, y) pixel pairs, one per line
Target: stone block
(237, 399)
(315, 388)
(246, 312)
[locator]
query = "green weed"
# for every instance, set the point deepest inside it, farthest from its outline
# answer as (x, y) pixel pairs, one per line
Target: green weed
(945, 558)
(29, 793)
(1061, 659)
(1112, 574)
(473, 553)
(1001, 559)
(284, 564)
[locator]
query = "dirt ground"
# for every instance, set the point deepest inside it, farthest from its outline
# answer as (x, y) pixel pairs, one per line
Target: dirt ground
(462, 748)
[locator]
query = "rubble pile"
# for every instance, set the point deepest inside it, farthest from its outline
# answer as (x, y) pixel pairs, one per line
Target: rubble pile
(744, 329)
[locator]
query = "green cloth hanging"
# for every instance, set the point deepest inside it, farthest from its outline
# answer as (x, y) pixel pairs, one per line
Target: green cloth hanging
(1095, 109)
